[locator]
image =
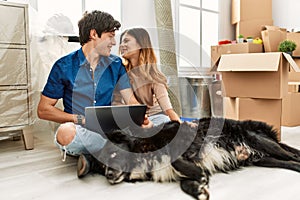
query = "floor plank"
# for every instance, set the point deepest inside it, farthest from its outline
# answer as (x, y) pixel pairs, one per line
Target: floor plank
(40, 174)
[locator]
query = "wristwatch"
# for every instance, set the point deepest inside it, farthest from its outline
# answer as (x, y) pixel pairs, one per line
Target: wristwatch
(80, 119)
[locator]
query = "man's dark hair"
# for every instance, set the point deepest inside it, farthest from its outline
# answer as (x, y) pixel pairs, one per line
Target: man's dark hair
(100, 21)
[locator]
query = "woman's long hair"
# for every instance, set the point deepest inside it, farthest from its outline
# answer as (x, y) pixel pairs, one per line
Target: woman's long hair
(147, 62)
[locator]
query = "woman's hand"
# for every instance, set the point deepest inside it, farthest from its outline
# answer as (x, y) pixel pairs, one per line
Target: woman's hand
(192, 124)
(147, 123)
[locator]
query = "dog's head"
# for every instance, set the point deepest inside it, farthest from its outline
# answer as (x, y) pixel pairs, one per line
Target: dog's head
(116, 156)
(126, 154)
(115, 159)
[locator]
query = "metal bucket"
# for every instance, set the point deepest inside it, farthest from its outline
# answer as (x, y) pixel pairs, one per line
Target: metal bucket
(216, 99)
(195, 97)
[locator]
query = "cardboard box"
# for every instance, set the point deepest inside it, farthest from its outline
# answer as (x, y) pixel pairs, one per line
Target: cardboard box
(217, 51)
(294, 76)
(272, 36)
(266, 110)
(291, 109)
(242, 10)
(252, 27)
(296, 38)
(255, 75)
(293, 87)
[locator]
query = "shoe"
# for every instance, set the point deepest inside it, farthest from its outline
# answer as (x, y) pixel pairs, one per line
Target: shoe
(83, 165)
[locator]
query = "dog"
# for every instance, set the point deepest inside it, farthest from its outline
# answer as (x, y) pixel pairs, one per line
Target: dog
(191, 154)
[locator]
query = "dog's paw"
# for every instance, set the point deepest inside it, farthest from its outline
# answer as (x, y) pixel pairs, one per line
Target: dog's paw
(203, 197)
(203, 193)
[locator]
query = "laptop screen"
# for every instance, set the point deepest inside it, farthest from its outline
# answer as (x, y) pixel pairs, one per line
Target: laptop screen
(106, 118)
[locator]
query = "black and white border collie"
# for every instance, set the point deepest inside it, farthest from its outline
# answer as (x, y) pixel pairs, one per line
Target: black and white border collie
(190, 154)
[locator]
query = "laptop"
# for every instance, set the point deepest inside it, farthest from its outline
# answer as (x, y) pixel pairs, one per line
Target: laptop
(102, 119)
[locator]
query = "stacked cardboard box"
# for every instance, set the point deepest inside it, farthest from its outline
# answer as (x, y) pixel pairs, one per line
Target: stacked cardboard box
(294, 77)
(251, 28)
(291, 109)
(295, 36)
(218, 50)
(291, 103)
(254, 85)
(272, 36)
(266, 110)
(250, 15)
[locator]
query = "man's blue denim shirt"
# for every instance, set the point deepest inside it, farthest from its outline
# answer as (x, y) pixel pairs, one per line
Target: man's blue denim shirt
(72, 79)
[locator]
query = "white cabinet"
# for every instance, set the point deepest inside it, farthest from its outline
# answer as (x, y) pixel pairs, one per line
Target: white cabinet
(15, 83)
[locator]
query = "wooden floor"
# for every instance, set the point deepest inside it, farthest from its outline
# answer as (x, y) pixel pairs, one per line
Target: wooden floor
(40, 174)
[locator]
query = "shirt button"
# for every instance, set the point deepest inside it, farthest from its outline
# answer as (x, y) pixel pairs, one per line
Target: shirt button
(94, 101)
(95, 84)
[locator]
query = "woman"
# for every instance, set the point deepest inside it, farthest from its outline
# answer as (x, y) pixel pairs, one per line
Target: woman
(148, 83)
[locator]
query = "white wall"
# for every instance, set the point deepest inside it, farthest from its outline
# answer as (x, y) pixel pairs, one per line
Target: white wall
(226, 29)
(137, 13)
(286, 14)
(141, 13)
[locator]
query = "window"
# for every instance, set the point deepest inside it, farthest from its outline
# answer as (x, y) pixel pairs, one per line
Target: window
(197, 27)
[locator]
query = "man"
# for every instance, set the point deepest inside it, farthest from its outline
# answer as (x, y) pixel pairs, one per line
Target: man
(85, 77)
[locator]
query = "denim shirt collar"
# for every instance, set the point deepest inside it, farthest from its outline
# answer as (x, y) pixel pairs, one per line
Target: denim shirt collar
(104, 60)
(82, 60)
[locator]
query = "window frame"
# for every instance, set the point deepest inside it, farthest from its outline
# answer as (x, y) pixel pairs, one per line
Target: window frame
(187, 70)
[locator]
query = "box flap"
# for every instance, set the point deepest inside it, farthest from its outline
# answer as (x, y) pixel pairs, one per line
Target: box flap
(292, 62)
(214, 65)
(267, 27)
(250, 62)
(273, 28)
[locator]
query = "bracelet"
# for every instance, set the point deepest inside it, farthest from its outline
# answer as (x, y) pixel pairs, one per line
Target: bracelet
(79, 119)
